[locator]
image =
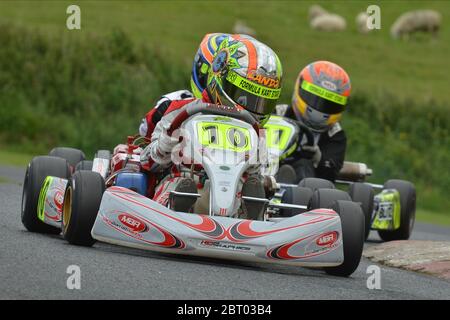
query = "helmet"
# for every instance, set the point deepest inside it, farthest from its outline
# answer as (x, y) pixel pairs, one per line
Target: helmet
(245, 73)
(320, 96)
(202, 61)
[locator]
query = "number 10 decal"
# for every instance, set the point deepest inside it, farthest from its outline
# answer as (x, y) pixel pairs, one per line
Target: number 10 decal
(224, 136)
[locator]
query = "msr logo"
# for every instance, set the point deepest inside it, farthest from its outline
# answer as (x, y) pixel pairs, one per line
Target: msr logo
(327, 239)
(134, 224)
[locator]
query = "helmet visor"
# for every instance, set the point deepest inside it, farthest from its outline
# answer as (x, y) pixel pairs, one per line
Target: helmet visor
(321, 99)
(253, 97)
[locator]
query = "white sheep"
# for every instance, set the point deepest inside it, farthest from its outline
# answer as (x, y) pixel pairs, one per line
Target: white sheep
(315, 11)
(361, 22)
(241, 28)
(418, 20)
(328, 22)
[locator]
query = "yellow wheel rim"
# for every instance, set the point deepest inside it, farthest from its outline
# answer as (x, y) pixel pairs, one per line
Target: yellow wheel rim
(67, 208)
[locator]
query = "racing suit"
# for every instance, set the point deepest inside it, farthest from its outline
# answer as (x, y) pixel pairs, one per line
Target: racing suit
(332, 144)
(153, 126)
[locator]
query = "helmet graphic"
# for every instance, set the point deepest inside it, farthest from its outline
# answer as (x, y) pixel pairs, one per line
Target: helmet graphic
(320, 96)
(202, 61)
(245, 73)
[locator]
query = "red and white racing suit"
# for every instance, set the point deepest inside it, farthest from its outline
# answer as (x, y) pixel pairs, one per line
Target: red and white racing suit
(153, 125)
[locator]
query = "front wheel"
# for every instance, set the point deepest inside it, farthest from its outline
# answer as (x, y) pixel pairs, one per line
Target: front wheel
(81, 204)
(316, 183)
(38, 169)
(325, 198)
(352, 222)
(296, 195)
(363, 194)
(72, 155)
(407, 193)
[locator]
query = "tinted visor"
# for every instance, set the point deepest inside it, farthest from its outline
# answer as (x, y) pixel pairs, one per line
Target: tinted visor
(252, 97)
(321, 99)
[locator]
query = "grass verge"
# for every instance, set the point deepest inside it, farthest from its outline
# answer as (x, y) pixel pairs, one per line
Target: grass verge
(433, 217)
(12, 158)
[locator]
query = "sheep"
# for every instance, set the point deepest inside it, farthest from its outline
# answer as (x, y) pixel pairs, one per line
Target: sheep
(418, 20)
(315, 11)
(361, 22)
(328, 22)
(241, 28)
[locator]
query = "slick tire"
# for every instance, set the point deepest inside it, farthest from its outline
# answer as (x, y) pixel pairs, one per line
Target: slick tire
(81, 204)
(84, 165)
(325, 198)
(38, 169)
(73, 156)
(296, 195)
(363, 194)
(316, 183)
(286, 174)
(407, 213)
(103, 154)
(352, 223)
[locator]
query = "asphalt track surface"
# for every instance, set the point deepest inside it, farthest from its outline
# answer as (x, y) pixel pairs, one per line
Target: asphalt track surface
(34, 266)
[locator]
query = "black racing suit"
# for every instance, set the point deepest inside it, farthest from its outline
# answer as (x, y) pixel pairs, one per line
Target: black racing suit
(332, 144)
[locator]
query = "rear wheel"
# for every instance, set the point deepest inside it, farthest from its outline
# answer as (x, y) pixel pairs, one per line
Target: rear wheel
(407, 193)
(316, 183)
(38, 169)
(297, 195)
(286, 174)
(352, 222)
(81, 204)
(363, 194)
(325, 198)
(73, 156)
(84, 165)
(103, 154)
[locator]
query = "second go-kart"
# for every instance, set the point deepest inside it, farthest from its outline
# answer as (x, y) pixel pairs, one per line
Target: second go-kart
(391, 211)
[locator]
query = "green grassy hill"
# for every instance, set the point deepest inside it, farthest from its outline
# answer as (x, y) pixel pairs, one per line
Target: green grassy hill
(90, 88)
(375, 62)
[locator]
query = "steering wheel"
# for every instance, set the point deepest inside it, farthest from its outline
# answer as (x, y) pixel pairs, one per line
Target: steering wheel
(209, 108)
(305, 131)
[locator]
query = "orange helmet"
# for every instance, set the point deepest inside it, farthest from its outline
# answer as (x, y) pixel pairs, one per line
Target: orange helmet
(320, 96)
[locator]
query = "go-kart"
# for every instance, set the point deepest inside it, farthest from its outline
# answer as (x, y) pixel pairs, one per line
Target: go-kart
(108, 202)
(391, 211)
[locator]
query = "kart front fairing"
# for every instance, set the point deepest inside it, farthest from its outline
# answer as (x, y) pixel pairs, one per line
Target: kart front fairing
(310, 239)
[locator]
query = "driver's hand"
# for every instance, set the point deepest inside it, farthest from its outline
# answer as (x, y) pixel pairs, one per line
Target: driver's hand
(311, 152)
(166, 143)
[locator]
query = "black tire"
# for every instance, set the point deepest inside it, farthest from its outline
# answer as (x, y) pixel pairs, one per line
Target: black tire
(325, 198)
(103, 154)
(38, 169)
(363, 194)
(297, 195)
(316, 183)
(84, 165)
(81, 204)
(73, 156)
(352, 221)
(286, 174)
(407, 193)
